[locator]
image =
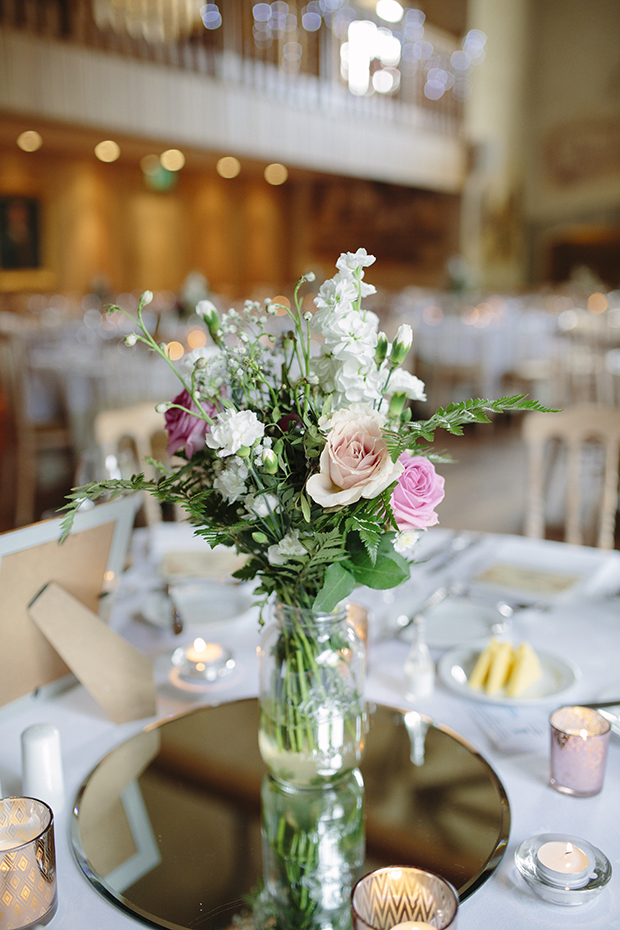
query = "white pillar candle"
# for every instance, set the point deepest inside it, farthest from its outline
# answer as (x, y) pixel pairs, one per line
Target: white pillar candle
(42, 775)
(563, 863)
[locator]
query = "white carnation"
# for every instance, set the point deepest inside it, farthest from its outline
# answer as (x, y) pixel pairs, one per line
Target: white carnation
(402, 382)
(262, 505)
(231, 480)
(232, 430)
(288, 546)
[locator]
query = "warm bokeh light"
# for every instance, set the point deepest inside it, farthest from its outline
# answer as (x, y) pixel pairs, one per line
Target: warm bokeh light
(390, 10)
(29, 141)
(281, 304)
(432, 315)
(107, 151)
(175, 351)
(276, 174)
(228, 166)
(172, 159)
(150, 164)
(196, 338)
(597, 303)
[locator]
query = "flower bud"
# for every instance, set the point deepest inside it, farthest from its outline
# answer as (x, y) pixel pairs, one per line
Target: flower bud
(309, 276)
(161, 408)
(259, 538)
(208, 311)
(146, 298)
(270, 461)
(243, 452)
(381, 350)
(131, 339)
(401, 345)
(396, 405)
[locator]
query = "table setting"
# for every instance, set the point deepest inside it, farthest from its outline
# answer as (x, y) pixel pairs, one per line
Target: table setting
(308, 705)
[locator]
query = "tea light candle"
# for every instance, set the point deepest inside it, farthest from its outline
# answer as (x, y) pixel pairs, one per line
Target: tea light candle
(202, 663)
(414, 925)
(201, 652)
(563, 863)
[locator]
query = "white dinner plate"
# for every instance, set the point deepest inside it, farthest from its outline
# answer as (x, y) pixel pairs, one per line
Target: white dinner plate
(610, 694)
(459, 620)
(558, 676)
(199, 604)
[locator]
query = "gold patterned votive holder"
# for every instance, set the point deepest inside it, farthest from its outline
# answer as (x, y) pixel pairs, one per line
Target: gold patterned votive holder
(27, 864)
(403, 897)
(579, 741)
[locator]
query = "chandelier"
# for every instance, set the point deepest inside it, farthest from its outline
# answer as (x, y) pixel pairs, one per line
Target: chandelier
(156, 21)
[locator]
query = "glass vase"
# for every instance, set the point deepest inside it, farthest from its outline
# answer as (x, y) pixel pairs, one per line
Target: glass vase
(312, 709)
(313, 854)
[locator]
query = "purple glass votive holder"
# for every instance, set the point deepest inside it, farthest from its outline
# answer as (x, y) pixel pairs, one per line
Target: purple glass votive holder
(579, 741)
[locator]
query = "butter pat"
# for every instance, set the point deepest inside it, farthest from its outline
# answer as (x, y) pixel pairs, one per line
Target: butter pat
(500, 667)
(500, 670)
(525, 672)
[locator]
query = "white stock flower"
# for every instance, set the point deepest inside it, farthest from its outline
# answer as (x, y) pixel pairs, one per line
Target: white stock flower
(351, 261)
(232, 430)
(230, 482)
(262, 505)
(402, 382)
(288, 546)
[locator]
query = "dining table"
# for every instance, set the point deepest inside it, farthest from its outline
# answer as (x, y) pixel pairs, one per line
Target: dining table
(564, 600)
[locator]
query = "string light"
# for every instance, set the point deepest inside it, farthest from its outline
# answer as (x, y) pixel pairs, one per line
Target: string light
(29, 141)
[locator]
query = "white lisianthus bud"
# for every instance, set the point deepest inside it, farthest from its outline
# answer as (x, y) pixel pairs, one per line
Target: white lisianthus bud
(146, 298)
(131, 339)
(401, 345)
(270, 461)
(307, 316)
(161, 408)
(309, 276)
(381, 350)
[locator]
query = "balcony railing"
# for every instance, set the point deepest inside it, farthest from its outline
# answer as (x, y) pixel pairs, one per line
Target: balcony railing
(326, 54)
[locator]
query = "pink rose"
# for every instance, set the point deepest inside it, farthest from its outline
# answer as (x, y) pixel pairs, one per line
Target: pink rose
(186, 431)
(355, 461)
(418, 491)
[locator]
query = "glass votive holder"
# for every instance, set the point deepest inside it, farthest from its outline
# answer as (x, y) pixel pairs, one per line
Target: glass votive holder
(202, 663)
(579, 741)
(403, 898)
(27, 864)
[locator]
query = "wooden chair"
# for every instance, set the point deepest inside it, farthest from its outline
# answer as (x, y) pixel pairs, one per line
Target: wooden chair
(141, 429)
(574, 428)
(26, 437)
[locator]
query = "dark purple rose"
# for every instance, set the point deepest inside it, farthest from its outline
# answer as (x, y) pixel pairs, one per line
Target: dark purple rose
(418, 491)
(186, 431)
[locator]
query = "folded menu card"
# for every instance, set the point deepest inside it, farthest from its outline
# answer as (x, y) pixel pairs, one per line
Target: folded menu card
(527, 579)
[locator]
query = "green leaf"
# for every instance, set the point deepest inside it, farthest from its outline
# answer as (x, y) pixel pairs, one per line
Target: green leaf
(389, 570)
(305, 507)
(338, 584)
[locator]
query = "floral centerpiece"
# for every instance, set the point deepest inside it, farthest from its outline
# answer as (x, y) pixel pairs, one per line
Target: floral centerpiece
(299, 449)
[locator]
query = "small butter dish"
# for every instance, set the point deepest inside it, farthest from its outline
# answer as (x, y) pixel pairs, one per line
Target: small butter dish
(563, 869)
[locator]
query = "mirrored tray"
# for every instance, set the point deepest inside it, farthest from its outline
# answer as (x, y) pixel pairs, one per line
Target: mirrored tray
(169, 826)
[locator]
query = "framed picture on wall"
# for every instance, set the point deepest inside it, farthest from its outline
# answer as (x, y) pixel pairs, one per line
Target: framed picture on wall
(20, 245)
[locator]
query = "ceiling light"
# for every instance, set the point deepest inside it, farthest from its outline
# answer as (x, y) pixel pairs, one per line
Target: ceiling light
(29, 141)
(172, 159)
(390, 10)
(276, 174)
(228, 166)
(107, 151)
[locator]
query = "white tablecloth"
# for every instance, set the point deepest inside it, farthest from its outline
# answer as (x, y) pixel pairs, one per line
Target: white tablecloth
(583, 627)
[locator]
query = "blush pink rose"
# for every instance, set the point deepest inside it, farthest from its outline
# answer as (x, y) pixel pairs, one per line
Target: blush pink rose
(186, 431)
(417, 493)
(355, 461)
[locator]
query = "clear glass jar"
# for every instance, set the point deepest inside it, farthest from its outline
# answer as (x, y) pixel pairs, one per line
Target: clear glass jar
(313, 854)
(312, 709)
